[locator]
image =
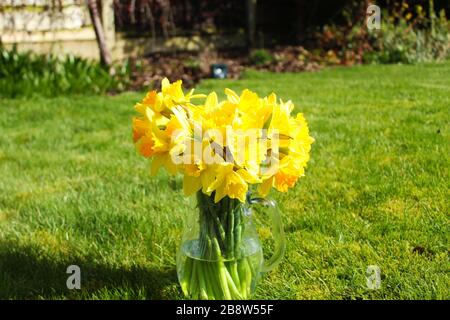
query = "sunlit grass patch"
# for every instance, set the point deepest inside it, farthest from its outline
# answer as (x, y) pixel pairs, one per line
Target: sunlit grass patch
(74, 191)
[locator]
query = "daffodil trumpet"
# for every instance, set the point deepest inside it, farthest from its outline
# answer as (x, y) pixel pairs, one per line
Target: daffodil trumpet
(223, 149)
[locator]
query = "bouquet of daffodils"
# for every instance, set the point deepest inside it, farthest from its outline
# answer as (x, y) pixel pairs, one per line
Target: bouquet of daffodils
(223, 148)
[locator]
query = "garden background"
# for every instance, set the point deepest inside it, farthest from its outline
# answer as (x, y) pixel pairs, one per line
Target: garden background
(74, 191)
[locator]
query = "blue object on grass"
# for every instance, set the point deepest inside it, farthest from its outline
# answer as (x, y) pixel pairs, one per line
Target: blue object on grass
(219, 71)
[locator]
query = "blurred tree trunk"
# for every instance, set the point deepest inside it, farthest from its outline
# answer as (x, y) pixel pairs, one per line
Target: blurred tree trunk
(251, 22)
(105, 54)
(300, 22)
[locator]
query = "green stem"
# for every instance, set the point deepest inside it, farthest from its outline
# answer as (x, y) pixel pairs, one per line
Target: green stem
(232, 285)
(250, 265)
(232, 267)
(194, 284)
(230, 235)
(187, 275)
(248, 277)
(222, 271)
(242, 276)
(201, 277)
(213, 280)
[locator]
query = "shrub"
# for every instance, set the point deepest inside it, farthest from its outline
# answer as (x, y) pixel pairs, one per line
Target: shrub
(261, 56)
(27, 74)
(408, 35)
(411, 37)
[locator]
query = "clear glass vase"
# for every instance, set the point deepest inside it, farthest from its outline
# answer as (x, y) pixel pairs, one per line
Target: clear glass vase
(220, 256)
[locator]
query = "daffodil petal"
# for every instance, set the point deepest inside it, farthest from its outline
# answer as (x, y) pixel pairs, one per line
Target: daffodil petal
(264, 187)
(211, 100)
(248, 177)
(232, 96)
(219, 194)
(165, 84)
(170, 166)
(191, 185)
(157, 162)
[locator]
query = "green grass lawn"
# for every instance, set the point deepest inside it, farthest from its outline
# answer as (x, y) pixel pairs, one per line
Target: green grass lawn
(376, 192)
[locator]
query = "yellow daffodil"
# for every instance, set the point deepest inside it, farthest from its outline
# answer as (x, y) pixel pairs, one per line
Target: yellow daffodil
(251, 111)
(222, 147)
(285, 175)
(231, 183)
(158, 106)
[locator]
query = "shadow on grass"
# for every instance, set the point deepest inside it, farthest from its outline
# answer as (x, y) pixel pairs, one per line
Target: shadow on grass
(28, 273)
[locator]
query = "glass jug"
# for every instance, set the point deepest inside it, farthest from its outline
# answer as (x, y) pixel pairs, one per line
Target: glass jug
(220, 256)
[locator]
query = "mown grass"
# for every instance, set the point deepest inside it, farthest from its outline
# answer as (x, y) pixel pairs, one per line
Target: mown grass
(74, 191)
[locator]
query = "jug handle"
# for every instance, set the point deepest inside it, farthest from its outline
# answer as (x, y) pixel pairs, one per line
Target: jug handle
(277, 231)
